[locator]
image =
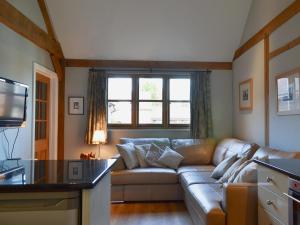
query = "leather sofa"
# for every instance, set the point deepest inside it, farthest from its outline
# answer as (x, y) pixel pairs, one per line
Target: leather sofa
(208, 202)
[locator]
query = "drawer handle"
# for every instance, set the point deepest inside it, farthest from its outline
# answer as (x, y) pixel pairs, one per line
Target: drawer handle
(269, 179)
(269, 202)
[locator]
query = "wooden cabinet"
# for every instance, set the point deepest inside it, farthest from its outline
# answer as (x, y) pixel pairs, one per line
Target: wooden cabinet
(272, 203)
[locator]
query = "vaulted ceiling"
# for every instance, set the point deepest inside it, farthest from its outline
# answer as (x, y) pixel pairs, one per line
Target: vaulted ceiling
(185, 30)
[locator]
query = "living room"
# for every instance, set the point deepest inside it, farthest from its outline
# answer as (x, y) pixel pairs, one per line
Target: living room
(145, 112)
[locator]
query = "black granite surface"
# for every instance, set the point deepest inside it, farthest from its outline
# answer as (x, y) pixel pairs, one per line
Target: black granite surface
(290, 167)
(52, 175)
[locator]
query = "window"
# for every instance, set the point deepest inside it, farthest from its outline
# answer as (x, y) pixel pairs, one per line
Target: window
(120, 100)
(179, 101)
(148, 101)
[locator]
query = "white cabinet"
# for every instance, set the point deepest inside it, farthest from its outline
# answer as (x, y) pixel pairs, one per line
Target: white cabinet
(272, 203)
(96, 203)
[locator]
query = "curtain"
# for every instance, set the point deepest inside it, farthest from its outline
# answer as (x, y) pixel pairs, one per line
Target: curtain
(201, 117)
(97, 104)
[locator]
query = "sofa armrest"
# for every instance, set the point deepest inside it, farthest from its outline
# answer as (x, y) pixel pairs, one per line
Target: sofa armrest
(240, 203)
(119, 165)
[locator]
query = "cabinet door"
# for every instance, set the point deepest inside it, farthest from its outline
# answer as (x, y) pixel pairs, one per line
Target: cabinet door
(96, 203)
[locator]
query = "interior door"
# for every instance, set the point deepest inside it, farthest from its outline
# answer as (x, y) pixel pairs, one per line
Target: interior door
(42, 103)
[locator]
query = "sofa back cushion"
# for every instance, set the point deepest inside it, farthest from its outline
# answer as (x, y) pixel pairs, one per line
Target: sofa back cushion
(194, 151)
(274, 153)
(231, 146)
(161, 142)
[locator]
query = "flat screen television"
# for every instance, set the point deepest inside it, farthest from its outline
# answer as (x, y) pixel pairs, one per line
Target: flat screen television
(13, 101)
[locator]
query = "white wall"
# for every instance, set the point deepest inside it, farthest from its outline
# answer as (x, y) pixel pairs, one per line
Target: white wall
(16, 62)
(284, 130)
(249, 125)
(75, 125)
(176, 30)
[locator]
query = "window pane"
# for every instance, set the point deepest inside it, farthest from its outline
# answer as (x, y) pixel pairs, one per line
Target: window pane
(150, 88)
(119, 112)
(150, 113)
(179, 113)
(180, 89)
(119, 88)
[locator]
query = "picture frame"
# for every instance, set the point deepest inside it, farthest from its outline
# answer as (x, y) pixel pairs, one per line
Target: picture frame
(75, 170)
(288, 92)
(246, 95)
(76, 105)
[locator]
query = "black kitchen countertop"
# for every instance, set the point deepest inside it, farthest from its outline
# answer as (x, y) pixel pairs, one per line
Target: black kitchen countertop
(52, 175)
(290, 167)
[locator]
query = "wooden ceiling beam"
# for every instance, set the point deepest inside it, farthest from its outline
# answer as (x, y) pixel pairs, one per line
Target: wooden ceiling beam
(15, 20)
(47, 20)
(282, 18)
(148, 64)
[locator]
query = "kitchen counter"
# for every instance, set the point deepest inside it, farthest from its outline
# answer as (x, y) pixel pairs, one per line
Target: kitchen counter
(52, 175)
(290, 167)
(73, 192)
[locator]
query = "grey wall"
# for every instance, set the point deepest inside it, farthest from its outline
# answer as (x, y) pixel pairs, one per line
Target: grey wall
(17, 56)
(249, 125)
(262, 12)
(76, 85)
(284, 130)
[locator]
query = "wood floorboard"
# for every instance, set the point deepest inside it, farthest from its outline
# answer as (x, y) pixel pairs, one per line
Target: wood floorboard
(169, 213)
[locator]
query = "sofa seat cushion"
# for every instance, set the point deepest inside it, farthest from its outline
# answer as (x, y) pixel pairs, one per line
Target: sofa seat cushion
(202, 168)
(206, 199)
(189, 178)
(144, 176)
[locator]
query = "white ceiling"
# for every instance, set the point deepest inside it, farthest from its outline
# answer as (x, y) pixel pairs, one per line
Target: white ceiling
(186, 30)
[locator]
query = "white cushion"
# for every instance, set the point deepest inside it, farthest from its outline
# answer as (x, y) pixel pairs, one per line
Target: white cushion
(127, 151)
(223, 166)
(230, 171)
(153, 155)
(170, 158)
(248, 174)
(141, 151)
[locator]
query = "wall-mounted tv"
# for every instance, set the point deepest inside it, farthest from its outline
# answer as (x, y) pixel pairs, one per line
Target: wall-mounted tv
(13, 101)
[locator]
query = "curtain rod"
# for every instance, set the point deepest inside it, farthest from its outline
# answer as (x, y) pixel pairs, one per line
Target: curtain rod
(150, 71)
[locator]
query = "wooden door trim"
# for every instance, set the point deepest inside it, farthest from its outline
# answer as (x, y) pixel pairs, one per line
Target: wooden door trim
(53, 138)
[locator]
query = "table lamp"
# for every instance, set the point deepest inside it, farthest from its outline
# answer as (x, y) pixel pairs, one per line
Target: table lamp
(99, 138)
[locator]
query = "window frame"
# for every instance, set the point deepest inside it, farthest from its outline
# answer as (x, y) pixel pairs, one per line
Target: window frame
(135, 102)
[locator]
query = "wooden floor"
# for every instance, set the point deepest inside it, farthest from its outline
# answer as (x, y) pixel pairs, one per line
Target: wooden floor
(173, 213)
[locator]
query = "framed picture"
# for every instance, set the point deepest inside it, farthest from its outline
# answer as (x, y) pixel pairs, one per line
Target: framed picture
(246, 95)
(288, 93)
(76, 105)
(75, 170)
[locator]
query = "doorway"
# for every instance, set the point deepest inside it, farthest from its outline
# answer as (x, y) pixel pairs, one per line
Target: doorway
(42, 121)
(45, 113)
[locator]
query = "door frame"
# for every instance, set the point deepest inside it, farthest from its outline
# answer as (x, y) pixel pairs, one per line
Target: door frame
(53, 112)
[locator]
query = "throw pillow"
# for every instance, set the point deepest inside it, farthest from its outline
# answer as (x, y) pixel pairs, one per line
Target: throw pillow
(223, 166)
(153, 155)
(236, 172)
(231, 170)
(170, 158)
(127, 152)
(248, 174)
(141, 151)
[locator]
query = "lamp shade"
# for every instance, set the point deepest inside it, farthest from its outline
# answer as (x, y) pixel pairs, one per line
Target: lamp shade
(99, 136)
